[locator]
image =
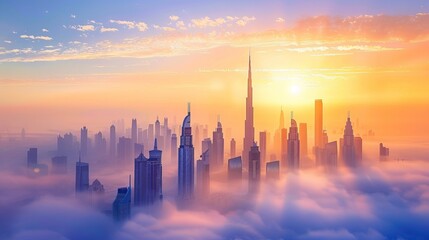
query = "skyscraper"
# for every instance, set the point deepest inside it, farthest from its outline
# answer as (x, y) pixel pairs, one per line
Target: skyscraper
(217, 150)
(186, 160)
(235, 168)
(121, 207)
(173, 150)
(112, 149)
(133, 131)
(263, 146)
(59, 165)
(100, 145)
(348, 149)
(232, 148)
(283, 147)
(157, 128)
(254, 169)
(249, 130)
(318, 124)
(125, 149)
(82, 176)
(293, 146)
(148, 177)
(279, 136)
(203, 174)
(384, 152)
(273, 170)
(358, 149)
(32, 158)
(84, 141)
(303, 148)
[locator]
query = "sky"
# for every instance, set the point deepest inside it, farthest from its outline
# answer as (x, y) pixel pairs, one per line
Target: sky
(62, 63)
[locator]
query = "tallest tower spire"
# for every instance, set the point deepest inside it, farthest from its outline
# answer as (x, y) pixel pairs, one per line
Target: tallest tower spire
(249, 130)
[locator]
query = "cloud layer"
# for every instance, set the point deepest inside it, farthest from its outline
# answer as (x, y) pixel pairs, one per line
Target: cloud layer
(382, 201)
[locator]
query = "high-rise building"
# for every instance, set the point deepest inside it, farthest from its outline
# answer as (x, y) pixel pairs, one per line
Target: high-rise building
(384, 152)
(124, 149)
(67, 146)
(358, 149)
(112, 145)
(148, 177)
(59, 165)
(133, 131)
(186, 160)
(331, 155)
(235, 168)
(100, 145)
(32, 158)
(173, 150)
(348, 148)
(283, 147)
(121, 207)
(158, 129)
(318, 124)
(232, 148)
(249, 129)
(150, 134)
(293, 146)
(254, 169)
(82, 176)
(217, 150)
(263, 146)
(303, 148)
(84, 141)
(279, 138)
(273, 170)
(206, 144)
(203, 175)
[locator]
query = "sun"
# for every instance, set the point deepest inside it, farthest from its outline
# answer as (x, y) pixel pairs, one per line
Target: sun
(295, 89)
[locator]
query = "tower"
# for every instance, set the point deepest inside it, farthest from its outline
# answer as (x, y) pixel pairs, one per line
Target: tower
(148, 177)
(293, 146)
(186, 160)
(217, 150)
(348, 149)
(133, 132)
(249, 130)
(121, 207)
(82, 176)
(318, 124)
(112, 149)
(84, 141)
(254, 169)
(32, 158)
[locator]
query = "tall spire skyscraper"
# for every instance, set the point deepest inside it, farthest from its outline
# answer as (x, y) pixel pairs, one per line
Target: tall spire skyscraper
(186, 160)
(249, 130)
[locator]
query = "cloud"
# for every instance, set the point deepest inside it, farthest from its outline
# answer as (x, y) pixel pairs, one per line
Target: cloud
(103, 29)
(174, 18)
(83, 28)
(244, 20)
(46, 38)
(181, 25)
(45, 30)
(318, 36)
(167, 29)
(209, 22)
(72, 16)
(7, 41)
(280, 20)
(141, 26)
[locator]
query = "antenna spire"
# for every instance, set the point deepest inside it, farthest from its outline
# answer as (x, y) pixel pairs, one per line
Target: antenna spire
(189, 108)
(129, 181)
